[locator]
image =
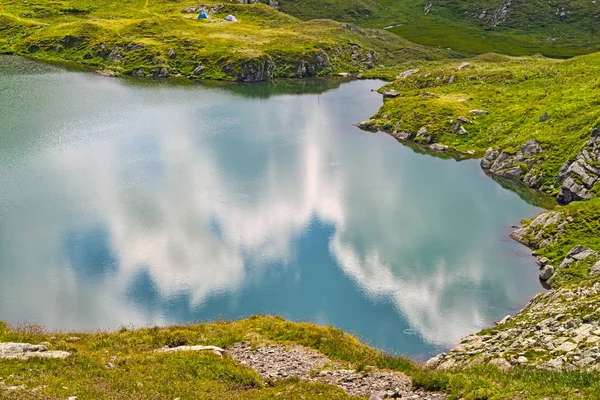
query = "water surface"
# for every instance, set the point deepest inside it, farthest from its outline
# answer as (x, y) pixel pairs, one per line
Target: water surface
(127, 203)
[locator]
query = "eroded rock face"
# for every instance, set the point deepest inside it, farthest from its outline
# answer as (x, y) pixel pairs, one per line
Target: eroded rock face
(578, 177)
(257, 70)
(517, 166)
(24, 351)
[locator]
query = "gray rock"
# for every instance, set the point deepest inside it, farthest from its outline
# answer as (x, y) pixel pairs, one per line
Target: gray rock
(216, 350)
(199, 70)
(24, 351)
(544, 117)
(546, 272)
(462, 65)
(541, 260)
(595, 270)
(407, 73)
(438, 147)
(500, 363)
(464, 120)
(479, 112)
(390, 94)
(368, 125)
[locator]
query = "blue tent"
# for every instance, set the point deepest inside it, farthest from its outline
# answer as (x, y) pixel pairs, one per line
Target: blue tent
(203, 15)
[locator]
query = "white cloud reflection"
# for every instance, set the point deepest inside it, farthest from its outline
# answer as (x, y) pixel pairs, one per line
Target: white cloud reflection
(195, 195)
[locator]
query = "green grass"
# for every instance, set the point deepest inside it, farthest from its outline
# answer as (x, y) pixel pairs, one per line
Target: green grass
(159, 34)
(530, 27)
(581, 230)
(140, 373)
(515, 91)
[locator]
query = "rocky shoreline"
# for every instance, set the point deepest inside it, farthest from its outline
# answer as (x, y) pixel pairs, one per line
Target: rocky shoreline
(552, 331)
(556, 330)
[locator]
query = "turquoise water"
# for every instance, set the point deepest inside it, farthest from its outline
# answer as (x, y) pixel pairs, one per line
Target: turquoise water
(139, 204)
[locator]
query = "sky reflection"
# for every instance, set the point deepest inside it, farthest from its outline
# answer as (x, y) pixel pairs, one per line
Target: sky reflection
(143, 205)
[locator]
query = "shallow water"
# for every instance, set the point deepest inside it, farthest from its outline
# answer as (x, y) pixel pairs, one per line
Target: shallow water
(148, 203)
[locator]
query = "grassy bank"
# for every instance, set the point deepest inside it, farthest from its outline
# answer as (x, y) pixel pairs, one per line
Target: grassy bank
(138, 372)
(161, 38)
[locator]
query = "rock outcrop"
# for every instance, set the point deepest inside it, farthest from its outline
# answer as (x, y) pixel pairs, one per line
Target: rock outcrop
(579, 176)
(516, 166)
(542, 231)
(24, 351)
(557, 330)
(278, 362)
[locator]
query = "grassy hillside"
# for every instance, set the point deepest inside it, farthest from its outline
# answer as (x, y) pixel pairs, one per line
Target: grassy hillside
(124, 365)
(517, 27)
(162, 38)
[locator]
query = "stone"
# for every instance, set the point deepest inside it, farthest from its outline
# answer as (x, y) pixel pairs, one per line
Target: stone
(566, 347)
(500, 363)
(390, 94)
(447, 365)
(462, 65)
(451, 80)
(438, 147)
(546, 272)
(407, 73)
(199, 70)
(433, 362)
(368, 125)
(24, 351)
(217, 350)
(544, 117)
(595, 269)
(504, 320)
(479, 112)
(464, 120)
(522, 360)
(171, 54)
(542, 261)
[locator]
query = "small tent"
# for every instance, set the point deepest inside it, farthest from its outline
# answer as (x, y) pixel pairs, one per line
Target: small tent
(203, 15)
(230, 18)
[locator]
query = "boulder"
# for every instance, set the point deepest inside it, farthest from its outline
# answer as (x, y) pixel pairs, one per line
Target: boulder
(390, 94)
(595, 270)
(546, 272)
(438, 147)
(500, 363)
(368, 125)
(462, 65)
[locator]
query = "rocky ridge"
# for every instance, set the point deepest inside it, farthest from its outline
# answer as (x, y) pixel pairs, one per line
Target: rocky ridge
(552, 332)
(278, 362)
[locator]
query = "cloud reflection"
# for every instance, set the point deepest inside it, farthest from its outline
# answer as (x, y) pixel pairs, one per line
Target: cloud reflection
(195, 193)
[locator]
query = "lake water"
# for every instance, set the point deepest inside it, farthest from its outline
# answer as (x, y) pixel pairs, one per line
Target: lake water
(149, 203)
